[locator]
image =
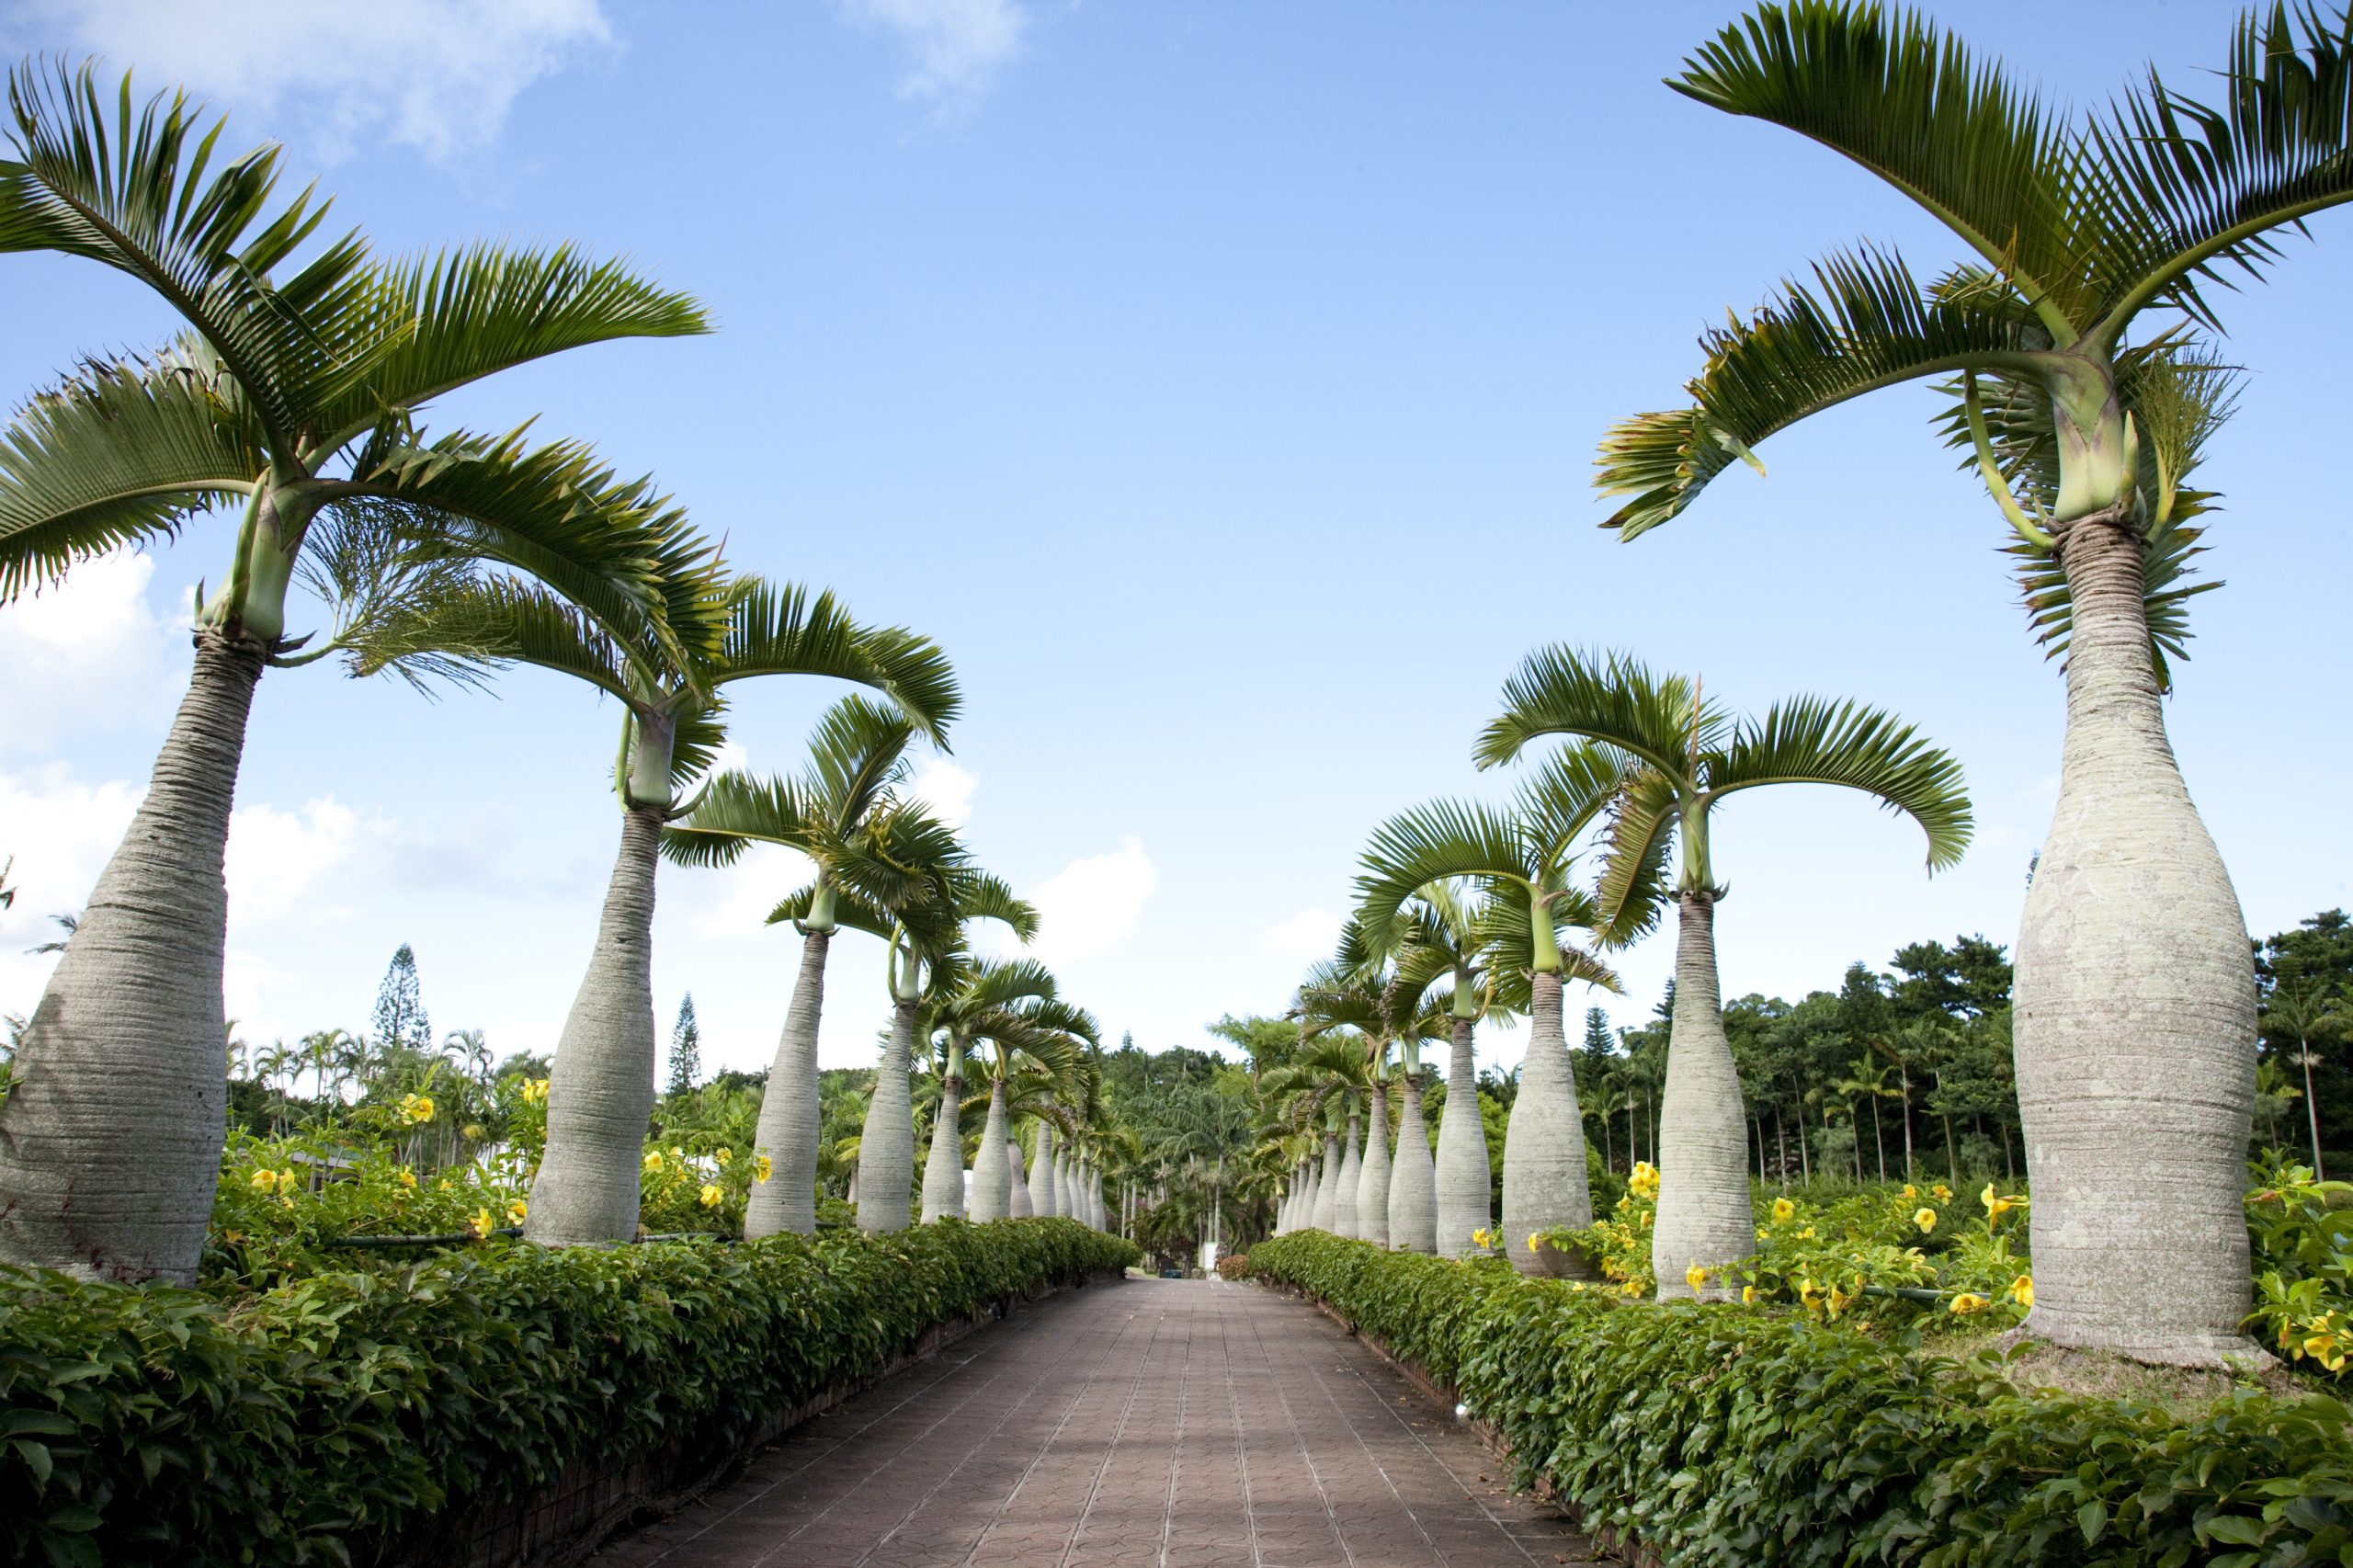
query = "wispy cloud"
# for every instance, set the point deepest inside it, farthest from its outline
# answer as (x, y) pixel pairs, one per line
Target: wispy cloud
(1090, 905)
(957, 47)
(1310, 934)
(946, 788)
(439, 76)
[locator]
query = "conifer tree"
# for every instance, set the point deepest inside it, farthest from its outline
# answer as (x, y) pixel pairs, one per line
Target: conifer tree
(685, 1048)
(400, 1005)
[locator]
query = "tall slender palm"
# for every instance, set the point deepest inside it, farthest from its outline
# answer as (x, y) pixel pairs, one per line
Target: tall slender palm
(2134, 1000)
(1326, 1083)
(2300, 1009)
(1679, 758)
(1014, 1008)
(289, 405)
(1520, 859)
(831, 813)
(1033, 1088)
(1443, 930)
(674, 703)
(1045, 1193)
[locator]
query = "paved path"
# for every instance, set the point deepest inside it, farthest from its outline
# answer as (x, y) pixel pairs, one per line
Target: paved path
(1177, 1423)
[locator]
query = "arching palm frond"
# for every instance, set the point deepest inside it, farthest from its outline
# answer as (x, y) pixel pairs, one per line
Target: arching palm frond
(487, 623)
(1809, 741)
(1641, 835)
(851, 909)
(856, 754)
(1605, 698)
(783, 628)
(1434, 842)
(737, 810)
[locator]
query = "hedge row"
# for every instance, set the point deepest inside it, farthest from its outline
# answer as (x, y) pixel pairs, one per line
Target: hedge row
(315, 1422)
(1728, 1434)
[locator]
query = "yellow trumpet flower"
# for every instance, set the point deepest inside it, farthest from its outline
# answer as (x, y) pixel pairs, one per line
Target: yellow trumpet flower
(1696, 1276)
(482, 1225)
(1966, 1303)
(264, 1181)
(713, 1195)
(516, 1211)
(653, 1160)
(762, 1169)
(1782, 1209)
(2022, 1290)
(1925, 1219)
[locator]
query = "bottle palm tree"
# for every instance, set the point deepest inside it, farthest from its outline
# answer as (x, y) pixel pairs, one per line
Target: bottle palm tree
(1014, 1008)
(1519, 860)
(2134, 1000)
(287, 404)
(839, 813)
(1680, 758)
(674, 702)
(1326, 1083)
(2300, 1009)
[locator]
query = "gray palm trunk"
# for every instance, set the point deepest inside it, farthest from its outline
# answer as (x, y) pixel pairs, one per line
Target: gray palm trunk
(1065, 1195)
(1464, 1179)
(1043, 1194)
(1413, 1179)
(1327, 1186)
(1018, 1205)
(2135, 1014)
(1098, 1211)
(886, 1145)
(1373, 1178)
(790, 1124)
(110, 1141)
(601, 1088)
(943, 1169)
(1317, 1182)
(1704, 1217)
(1344, 1196)
(992, 1173)
(1545, 1176)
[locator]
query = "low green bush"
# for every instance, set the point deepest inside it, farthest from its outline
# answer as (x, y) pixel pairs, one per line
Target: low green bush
(307, 1422)
(1725, 1435)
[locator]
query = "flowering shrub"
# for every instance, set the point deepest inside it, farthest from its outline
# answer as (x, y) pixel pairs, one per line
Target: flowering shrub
(313, 1422)
(1234, 1266)
(1731, 1435)
(2302, 1234)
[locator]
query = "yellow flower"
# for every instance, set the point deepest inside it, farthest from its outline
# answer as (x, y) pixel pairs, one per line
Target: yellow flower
(1925, 1219)
(1631, 1287)
(1996, 1204)
(264, 1181)
(516, 1211)
(1479, 1237)
(1941, 1193)
(1695, 1276)
(1531, 1241)
(653, 1160)
(1806, 1234)
(2022, 1290)
(1646, 1218)
(1782, 1209)
(408, 1178)
(1910, 1192)
(724, 1156)
(472, 1131)
(482, 1225)
(416, 1108)
(535, 1090)
(676, 1153)
(713, 1195)
(288, 1181)
(1966, 1303)
(761, 1169)
(1747, 1295)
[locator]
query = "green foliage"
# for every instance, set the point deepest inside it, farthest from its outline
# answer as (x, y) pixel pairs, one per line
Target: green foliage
(2303, 1236)
(312, 1421)
(1730, 1435)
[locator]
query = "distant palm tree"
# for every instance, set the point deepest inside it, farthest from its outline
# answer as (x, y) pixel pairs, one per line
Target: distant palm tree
(1682, 757)
(287, 409)
(2135, 1003)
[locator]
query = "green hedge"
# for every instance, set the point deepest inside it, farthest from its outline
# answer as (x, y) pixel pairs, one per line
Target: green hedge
(1728, 1434)
(322, 1418)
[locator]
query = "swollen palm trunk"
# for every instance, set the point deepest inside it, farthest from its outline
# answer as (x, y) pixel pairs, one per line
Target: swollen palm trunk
(1043, 1193)
(1344, 1196)
(788, 1111)
(110, 1141)
(1065, 1190)
(1704, 1217)
(886, 1146)
(2135, 1014)
(1544, 1177)
(1018, 1203)
(1413, 1180)
(1327, 1186)
(1466, 1189)
(943, 1171)
(600, 1089)
(1372, 1180)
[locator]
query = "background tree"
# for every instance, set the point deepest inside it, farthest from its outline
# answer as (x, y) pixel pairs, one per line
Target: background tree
(686, 1049)
(400, 1018)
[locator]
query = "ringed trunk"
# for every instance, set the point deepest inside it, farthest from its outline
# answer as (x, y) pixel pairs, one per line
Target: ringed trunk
(1372, 1181)
(992, 1196)
(110, 1141)
(1413, 1179)
(1344, 1196)
(1043, 1194)
(1544, 1176)
(886, 1145)
(2135, 1014)
(1465, 1191)
(788, 1110)
(1327, 1186)
(1019, 1205)
(943, 1170)
(1704, 1216)
(601, 1088)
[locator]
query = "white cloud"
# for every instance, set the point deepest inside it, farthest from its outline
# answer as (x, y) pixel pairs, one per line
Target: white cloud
(439, 76)
(957, 46)
(89, 649)
(275, 857)
(1089, 905)
(59, 833)
(1310, 934)
(734, 901)
(947, 790)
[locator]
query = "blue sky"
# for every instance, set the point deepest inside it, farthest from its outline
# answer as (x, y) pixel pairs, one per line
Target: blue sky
(1219, 384)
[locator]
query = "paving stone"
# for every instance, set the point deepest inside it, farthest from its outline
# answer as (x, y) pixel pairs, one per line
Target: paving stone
(1156, 1424)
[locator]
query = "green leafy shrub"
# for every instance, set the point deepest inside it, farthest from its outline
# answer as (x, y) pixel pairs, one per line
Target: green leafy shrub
(1234, 1266)
(1730, 1434)
(2302, 1234)
(142, 1425)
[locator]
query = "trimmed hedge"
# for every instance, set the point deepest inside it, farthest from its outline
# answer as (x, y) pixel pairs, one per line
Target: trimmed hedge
(1724, 1434)
(317, 1421)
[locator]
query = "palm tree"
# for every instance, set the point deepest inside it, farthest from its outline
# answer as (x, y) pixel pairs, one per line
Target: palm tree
(1014, 1008)
(1045, 1192)
(1520, 860)
(1327, 1081)
(674, 702)
(833, 813)
(288, 405)
(2300, 1009)
(1679, 758)
(2134, 1002)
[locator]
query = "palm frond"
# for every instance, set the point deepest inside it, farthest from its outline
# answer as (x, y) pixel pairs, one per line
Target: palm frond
(1572, 788)
(1808, 740)
(1433, 843)
(783, 628)
(1641, 833)
(471, 628)
(737, 810)
(851, 909)
(856, 754)
(1605, 698)
(120, 454)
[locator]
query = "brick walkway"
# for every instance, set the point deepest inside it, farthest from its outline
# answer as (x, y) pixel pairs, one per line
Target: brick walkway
(1183, 1423)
